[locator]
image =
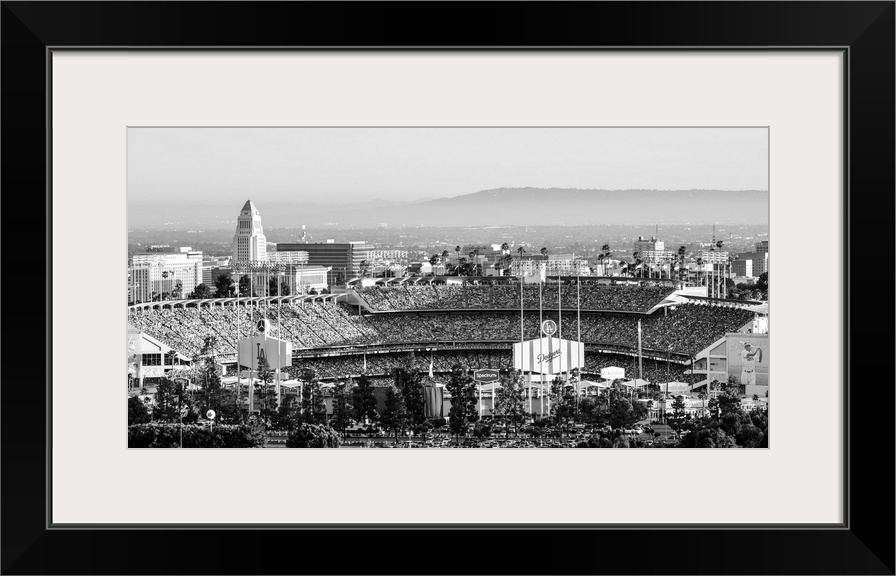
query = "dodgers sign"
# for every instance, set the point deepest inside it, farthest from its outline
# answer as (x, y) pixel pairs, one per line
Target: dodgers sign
(548, 355)
(277, 352)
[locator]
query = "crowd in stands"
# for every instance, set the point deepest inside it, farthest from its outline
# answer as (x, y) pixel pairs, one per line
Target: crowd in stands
(380, 366)
(311, 325)
(622, 298)
(384, 364)
(687, 329)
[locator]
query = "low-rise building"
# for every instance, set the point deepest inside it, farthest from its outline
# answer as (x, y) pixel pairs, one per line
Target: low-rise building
(158, 275)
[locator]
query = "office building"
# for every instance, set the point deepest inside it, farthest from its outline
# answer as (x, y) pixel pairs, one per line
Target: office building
(642, 245)
(343, 258)
(742, 268)
(759, 260)
(249, 243)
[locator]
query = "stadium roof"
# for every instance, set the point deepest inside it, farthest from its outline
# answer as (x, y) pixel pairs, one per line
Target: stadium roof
(150, 345)
(722, 300)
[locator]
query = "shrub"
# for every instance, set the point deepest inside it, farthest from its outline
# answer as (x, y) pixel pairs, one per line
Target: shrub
(313, 436)
(137, 412)
(424, 428)
(482, 431)
(167, 435)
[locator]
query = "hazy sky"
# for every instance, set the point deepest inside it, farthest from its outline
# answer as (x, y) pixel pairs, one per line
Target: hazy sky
(168, 167)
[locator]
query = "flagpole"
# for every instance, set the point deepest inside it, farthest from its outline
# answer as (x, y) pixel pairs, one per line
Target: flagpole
(560, 319)
(578, 335)
(480, 399)
(550, 368)
(531, 371)
(279, 335)
(559, 310)
(540, 342)
(640, 369)
(522, 332)
(239, 377)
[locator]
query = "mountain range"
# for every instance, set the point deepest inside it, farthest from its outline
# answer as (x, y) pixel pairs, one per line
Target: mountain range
(551, 206)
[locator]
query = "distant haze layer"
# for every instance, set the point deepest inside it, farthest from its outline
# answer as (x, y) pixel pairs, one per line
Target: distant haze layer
(503, 206)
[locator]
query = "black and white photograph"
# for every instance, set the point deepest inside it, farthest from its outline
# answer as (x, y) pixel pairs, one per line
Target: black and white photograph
(448, 287)
(519, 226)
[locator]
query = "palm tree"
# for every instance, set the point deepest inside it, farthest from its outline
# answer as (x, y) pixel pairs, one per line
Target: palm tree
(681, 253)
(444, 256)
(505, 247)
(544, 251)
(457, 250)
(521, 251)
(699, 270)
(606, 253)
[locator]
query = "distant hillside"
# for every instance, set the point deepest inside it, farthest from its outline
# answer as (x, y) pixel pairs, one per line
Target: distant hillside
(561, 206)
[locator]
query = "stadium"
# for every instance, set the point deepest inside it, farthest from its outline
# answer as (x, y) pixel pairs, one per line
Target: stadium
(435, 323)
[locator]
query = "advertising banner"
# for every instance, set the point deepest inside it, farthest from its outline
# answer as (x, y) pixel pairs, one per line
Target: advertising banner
(548, 355)
(612, 373)
(277, 352)
(748, 359)
(675, 388)
(486, 375)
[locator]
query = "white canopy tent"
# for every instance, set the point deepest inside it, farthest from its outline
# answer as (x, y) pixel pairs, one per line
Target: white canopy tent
(590, 384)
(636, 383)
(491, 387)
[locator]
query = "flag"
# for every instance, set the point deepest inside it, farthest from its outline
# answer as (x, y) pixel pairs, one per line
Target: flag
(364, 371)
(433, 401)
(430, 366)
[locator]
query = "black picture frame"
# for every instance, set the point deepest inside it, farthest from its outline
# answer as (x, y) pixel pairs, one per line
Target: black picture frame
(864, 31)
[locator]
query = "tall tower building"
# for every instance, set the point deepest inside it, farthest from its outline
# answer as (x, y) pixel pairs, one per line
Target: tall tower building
(249, 241)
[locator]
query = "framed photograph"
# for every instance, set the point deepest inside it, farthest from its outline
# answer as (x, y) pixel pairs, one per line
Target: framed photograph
(442, 259)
